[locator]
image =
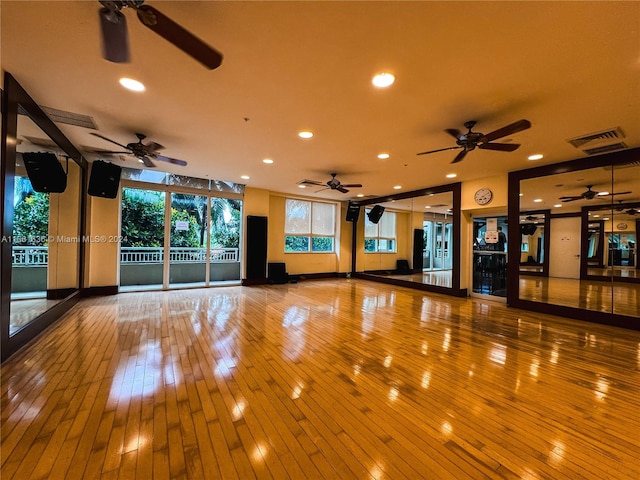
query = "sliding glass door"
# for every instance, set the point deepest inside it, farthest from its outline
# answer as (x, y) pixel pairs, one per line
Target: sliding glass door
(190, 241)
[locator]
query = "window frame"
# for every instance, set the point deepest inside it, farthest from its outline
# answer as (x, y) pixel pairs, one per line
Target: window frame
(379, 237)
(311, 236)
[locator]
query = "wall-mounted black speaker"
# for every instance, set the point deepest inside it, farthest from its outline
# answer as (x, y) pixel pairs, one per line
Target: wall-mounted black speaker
(375, 213)
(45, 172)
(104, 180)
(353, 212)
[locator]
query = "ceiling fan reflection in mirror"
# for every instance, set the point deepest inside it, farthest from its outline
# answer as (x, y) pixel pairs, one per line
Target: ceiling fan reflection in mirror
(470, 140)
(146, 153)
(333, 184)
(589, 194)
(115, 37)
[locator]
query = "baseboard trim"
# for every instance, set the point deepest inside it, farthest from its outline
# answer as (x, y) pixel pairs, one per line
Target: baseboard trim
(100, 291)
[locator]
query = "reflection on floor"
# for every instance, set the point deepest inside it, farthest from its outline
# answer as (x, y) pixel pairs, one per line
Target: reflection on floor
(624, 272)
(331, 379)
(25, 310)
(620, 298)
(441, 278)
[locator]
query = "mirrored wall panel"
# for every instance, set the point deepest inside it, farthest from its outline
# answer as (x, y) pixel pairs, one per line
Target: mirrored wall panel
(410, 239)
(46, 225)
(579, 239)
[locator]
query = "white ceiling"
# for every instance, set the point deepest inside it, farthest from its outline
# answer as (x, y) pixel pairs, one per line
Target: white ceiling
(571, 68)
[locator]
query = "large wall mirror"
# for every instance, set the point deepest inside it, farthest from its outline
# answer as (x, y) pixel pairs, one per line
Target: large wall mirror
(42, 219)
(579, 224)
(415, 242)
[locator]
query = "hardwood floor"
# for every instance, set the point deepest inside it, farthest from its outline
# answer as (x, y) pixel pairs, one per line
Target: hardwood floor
(331, 379)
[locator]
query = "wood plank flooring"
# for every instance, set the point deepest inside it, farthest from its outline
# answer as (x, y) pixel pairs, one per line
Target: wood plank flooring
(330, 379)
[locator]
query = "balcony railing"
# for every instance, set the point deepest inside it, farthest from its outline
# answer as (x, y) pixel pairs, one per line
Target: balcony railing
(147, 255)
(24, 256)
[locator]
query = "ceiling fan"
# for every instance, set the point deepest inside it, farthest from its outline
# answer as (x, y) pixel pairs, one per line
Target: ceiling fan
(333, 184)
(115, 39)
(144, 152)
(470, 140)
(589, 195)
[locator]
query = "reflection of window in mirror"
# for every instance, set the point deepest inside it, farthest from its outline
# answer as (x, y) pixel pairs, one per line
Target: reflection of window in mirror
(45, 250)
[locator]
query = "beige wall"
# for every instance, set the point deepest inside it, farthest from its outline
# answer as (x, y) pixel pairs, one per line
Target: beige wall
(64, 230)
(103, 251)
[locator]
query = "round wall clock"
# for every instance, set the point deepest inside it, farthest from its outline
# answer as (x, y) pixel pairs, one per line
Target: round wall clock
(621, 226)
(483, 196)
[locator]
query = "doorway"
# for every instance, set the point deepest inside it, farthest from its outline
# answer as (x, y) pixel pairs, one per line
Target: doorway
(489, 247)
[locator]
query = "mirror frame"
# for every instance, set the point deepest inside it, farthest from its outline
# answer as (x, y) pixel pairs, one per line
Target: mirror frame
(13, 97)
(513, 271)
(454, 290)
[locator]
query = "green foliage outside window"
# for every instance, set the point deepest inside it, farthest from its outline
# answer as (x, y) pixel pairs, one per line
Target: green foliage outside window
(31, 220)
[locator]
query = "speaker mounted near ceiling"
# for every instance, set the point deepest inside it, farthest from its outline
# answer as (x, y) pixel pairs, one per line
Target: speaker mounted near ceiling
(45, 172)
(353, 212)
(104, 180)
(375, 213)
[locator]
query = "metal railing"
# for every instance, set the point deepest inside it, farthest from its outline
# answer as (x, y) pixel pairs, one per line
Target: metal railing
(129, 255)
(27, 256)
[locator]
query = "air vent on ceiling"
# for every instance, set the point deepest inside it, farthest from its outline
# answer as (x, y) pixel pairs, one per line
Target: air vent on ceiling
(68, 118)
(609, 135)
(605, 148)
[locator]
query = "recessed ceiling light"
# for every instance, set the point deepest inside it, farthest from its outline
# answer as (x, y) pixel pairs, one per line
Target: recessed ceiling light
(397, 187)
(302, 186)
(268, 161)
(360, 195)
(245, 177)
(131, 84)
(603, 193)
(383, 156)
(596, 216)
(521, 194)
(537, 200)
(605, 218)
(557, 205)
(383, 80)
(305, 134)
(536, 156)
(451, 175)
(427, 206)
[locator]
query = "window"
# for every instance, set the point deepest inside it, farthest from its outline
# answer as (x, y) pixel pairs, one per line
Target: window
(309, 226)
(381, 236)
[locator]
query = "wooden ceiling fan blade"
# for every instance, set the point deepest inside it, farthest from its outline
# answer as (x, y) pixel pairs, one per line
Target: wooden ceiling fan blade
(460, 156)
(114, 35)
(153, 147)
(147, 162)
(454, 132)
(315, 183)
(439, 150)
(109, 152)
(615, 193)
(341, 188)
(570, 199)
(174, 161)
(351, 185)
(508, 130)
(179, 36)
(109, 140)
(501, 147)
